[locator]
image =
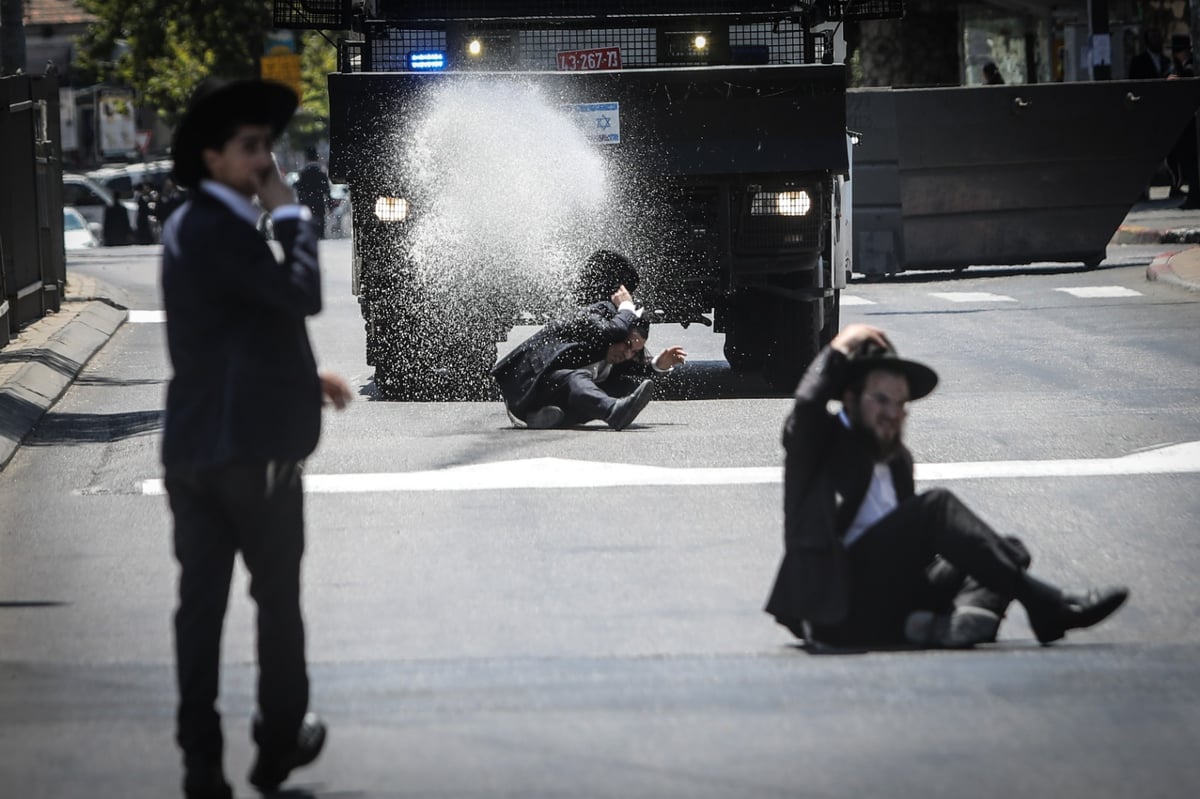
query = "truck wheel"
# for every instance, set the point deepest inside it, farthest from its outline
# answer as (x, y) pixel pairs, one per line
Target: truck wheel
(833, 317)
(745, 335)
(795, 338)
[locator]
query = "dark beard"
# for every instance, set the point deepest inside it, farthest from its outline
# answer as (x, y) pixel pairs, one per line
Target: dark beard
(877, 450)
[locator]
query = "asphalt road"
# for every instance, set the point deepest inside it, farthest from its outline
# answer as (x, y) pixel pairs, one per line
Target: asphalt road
(540, 641)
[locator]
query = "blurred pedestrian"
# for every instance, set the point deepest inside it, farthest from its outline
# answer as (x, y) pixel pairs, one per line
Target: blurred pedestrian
(1151, 62)
(243, 412)
(1184, 158)
(169, 200)
(145, 214)
(117, 230)
(991, 75)
(867, 560)
(312, 187)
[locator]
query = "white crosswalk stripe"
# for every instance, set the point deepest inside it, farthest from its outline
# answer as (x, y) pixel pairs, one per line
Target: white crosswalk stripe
(1100, 292)
(561, 473)
(147, 317)
(850, 299)
(970, 296)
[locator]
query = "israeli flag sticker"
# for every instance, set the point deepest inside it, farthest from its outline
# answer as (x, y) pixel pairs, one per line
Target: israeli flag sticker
(600, 122)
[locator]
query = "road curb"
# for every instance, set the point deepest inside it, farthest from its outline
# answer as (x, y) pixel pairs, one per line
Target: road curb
(47, 359)
(1162, 269)
(1137, 234)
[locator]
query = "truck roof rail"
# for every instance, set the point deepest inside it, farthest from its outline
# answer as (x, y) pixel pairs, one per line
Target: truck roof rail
(340, 14)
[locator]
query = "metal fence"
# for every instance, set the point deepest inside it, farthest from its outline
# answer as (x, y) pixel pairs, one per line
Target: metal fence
(32, 260)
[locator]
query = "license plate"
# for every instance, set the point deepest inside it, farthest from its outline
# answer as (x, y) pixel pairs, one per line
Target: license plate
(599, 58)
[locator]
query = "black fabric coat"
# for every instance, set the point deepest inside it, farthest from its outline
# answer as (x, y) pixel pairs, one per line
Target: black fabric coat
(827, 472)
(570, 343)
(245, 387)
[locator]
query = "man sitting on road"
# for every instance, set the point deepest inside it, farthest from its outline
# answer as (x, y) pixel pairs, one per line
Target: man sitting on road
(867, 560)
(583, 368)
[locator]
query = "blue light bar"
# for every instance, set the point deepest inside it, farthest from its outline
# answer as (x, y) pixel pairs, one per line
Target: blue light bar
(427, 61)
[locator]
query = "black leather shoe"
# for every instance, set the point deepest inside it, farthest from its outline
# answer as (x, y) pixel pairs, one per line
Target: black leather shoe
(1077, 609)
(203, 778)
(626, 409)
(271, 768)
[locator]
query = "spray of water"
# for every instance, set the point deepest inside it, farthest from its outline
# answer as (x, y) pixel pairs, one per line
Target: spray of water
(511, 197)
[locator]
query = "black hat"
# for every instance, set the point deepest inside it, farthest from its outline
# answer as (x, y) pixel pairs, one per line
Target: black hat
(871, 356)
(602, 274)
(1181, 42)
(216, 104)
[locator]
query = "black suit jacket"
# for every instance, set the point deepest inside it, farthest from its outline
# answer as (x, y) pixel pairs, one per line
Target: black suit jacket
(827, 472)
(245, 385)
(1143, 67)
(570, 343)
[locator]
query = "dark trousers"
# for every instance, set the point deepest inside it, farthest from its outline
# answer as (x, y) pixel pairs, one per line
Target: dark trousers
(256, 510)
(930, 553)
(578, 394)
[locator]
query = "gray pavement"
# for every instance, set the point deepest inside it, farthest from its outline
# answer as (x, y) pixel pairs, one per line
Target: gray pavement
(39, 364)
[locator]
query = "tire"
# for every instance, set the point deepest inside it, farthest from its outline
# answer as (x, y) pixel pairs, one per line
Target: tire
(833, 317)
(795, 339)
(433, 363)
(745, 334)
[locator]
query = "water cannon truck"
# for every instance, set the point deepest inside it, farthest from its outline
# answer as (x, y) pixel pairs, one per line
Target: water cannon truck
(718, 128)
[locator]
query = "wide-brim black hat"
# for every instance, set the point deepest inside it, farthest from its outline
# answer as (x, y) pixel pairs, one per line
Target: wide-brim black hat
(871, 356)
(602, 274)
(215, 104)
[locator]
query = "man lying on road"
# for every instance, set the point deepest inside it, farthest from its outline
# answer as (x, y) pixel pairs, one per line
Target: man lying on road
(584, 367)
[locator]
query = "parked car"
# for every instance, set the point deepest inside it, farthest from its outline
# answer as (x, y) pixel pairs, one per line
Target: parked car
(124, 177)
(90, 199)
(78, 233)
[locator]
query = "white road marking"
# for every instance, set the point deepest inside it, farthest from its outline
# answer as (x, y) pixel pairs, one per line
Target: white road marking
(147, 317)
(850, 299)
(1100, 292)
(564, 473)
(971, 296)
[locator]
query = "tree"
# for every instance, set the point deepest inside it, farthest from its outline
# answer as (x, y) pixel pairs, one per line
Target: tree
(162, 48)
(318, 57)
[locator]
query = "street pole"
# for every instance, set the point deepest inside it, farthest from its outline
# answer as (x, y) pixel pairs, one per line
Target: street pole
(1101, 40)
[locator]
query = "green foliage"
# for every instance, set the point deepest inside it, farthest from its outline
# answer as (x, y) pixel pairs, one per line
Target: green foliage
(318, 57)
(163, 48)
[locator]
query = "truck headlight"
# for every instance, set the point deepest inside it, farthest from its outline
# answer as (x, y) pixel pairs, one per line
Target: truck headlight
(391, 209)
(781, 203)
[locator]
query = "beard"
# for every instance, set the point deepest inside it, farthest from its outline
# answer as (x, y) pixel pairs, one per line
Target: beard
(880, 450)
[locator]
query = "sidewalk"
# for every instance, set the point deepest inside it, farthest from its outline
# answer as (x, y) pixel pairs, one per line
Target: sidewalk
(1161, 221)
(40, 363)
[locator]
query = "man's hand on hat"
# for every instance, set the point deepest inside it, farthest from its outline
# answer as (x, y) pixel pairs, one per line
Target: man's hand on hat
(621, 295)
(854, 336)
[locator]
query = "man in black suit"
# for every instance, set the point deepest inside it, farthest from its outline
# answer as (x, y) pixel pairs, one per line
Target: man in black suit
(585, 367)
(867, 560)
(1151, 63)
(312, 187)
(243, 411)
